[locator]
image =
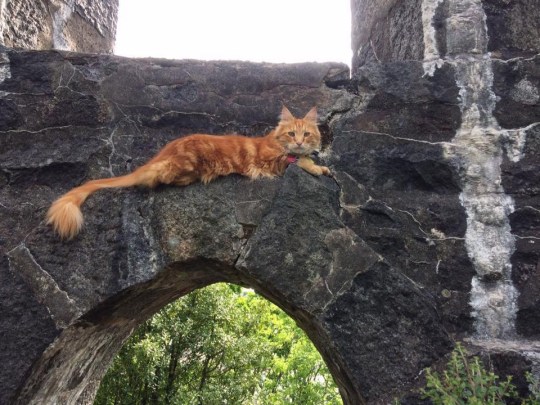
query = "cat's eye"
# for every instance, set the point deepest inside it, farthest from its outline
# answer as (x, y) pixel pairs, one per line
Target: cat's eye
(307, 133)
(291, 133)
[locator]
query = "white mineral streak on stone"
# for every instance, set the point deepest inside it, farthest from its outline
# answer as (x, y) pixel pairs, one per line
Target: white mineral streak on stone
(515, 141)
(60, 17)
(432, 58)
(5, 71)
(494, 301)
(478, 150)
(534, 358)
(525, 92)
(2, 18)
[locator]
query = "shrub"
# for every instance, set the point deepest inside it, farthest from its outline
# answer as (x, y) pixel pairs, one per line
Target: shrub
(466, 382)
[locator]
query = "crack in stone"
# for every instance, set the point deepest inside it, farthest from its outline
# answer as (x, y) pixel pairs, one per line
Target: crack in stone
(9, 93)
(517, 59)
(413, 218)
(110, 141)
(343, 205)
(18, 206)
(397, 138)
(73, 71)
(531, 208)
(62, 308)
(526, 237)
(344, 242)
(164, 113)
(39, 131)
(437, 266)
(126, 117)
(434, 235)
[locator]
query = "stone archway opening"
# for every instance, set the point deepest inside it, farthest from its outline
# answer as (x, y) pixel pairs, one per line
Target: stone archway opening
(221, 342)
(70, 371)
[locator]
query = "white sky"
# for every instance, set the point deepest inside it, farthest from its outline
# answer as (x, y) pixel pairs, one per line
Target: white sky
(261, 31)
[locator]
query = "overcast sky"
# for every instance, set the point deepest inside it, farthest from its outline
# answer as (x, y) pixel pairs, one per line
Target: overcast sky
(256, 30)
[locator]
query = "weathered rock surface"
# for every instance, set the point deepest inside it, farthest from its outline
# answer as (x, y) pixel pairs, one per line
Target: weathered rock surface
(70, 117)
(386, 30)
(428, 231)
(513, 27)
(75, 25)
(391, 30)
(478, 186)
(409, 211)
(517, 83)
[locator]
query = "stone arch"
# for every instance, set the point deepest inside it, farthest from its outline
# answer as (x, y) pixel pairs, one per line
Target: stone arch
(292, 238)
(71, 369)
(68, 117)
(288, 244)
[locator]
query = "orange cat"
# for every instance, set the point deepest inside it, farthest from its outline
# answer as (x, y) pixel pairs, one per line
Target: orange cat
(205, 157)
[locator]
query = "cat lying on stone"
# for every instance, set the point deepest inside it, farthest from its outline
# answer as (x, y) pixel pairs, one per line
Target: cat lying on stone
(203, 157)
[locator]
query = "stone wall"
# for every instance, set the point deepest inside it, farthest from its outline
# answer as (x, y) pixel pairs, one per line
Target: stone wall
(386, 30)
(428, 232)
(90, 116)
(71, 25)
(487, 137)
(391, 30)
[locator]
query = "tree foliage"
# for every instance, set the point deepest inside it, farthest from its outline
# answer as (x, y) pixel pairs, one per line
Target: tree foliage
(218, 345)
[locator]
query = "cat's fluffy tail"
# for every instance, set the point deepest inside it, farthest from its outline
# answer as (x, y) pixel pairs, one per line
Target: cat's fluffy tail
(65, 214)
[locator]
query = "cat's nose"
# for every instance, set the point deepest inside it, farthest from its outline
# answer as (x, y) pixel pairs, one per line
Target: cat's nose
(299, 143)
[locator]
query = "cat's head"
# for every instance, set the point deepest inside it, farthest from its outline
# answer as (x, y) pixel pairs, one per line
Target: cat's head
(298, 136)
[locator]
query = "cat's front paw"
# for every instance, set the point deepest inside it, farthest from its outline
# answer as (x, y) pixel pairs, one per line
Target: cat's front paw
(326, 171)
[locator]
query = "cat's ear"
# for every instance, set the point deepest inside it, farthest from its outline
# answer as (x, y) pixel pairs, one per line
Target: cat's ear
(311, 115)
(286, 114)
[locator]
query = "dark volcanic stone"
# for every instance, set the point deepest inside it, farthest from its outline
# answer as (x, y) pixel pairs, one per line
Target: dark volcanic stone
(9, 115)
(74, 117)
(365, 334)
(384, 31)
(516, 84)
(27, 328)
(401, 101)
(513, 27)
(372, 263)
(408, 211)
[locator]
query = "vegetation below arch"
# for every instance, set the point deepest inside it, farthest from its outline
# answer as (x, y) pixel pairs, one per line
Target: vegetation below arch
(218, 345)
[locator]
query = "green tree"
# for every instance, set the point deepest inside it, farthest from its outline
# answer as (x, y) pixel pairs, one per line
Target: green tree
(218, 345)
